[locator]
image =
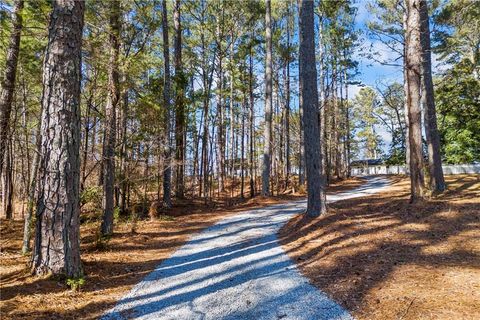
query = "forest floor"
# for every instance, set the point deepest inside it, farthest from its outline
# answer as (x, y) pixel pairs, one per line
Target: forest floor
(383, 258)
(112, 267)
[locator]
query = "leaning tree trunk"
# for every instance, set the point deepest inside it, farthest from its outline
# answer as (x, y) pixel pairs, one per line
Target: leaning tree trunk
(309, 102)
(267, 152)
(414, 65)
(436, 179)
(179, 105)
(57, 239)
(167, 167)
(8, 81)
(111, 121)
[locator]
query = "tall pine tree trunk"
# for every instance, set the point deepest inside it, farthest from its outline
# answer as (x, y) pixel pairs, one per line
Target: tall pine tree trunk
(8, 82)
(8, 181)
(220, 131)
(322, 93)
(405, 88)
(287, 105)
(309, 101)
(57, 239)
(179, 105)
(414, 67)
(167, 168)
(251, 123)
(123, 149)
(301, 149)
(347, 125)
(32, 191)
(232, 116)
(242, 146)
(267, 152)
(110, 130)
(436, 179)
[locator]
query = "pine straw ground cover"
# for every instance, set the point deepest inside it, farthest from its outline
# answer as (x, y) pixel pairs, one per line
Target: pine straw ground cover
(133, 252)
(383, 258)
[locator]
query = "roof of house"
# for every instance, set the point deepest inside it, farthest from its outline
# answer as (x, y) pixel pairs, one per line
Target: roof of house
(366, 162)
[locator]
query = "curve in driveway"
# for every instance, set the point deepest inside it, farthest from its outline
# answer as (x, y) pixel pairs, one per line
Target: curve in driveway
(236, 269)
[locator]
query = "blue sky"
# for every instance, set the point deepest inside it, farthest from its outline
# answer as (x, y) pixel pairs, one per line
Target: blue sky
(372, 73)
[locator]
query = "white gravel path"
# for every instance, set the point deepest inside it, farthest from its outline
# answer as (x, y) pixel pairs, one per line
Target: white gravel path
(236, 269)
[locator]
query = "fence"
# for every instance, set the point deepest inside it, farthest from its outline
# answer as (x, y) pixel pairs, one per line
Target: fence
(447, 169)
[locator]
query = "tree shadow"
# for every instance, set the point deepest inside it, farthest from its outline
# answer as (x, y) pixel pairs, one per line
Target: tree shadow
(239, 261)
(368, 243)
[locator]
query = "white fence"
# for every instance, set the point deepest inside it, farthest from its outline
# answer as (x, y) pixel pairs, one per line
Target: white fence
(447, 169)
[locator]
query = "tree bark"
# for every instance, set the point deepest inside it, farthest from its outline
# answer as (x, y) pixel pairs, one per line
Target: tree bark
(322, 92)
(309, 102)
(123, 149)
(87, 128)
(110, 130)
(347, 125)
(251, 123)
(232, 115)
(179, 105)
(405, 87)
(414, 66)
(167, 168)
(220, 131)
(287, 104)
(8, 182)
(301, 149)
(8, 82)
(436, 179)
(267, 151)
(220, 107)
(32, 191)
(242, 146)
(57, 240)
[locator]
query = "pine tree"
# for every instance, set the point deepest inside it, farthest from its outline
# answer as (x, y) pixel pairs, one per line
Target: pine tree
(110, 126)
(167, 166)
(309, 102)
(267, 152)
(57, 240)
(413, 64)
(436, 179)
(8, 82)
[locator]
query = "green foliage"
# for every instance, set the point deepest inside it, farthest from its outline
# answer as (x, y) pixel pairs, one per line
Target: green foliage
(91, 195)
(364, 106)
(458, 106)
(391, 113)
(75, 284)
(396, 157)
(458, 88)
(101, 241)
(164, 217)
(116, 214)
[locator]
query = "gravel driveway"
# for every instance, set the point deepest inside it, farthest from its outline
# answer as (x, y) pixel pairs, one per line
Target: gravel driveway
(236, 269)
